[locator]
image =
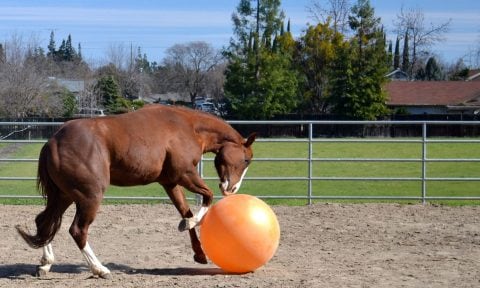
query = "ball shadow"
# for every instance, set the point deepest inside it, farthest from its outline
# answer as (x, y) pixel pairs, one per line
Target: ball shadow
(177, 271)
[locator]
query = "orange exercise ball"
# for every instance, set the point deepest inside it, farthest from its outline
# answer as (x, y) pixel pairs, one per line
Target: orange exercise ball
(240, 233)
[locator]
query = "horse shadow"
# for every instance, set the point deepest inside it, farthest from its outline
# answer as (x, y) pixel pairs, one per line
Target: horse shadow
(22, 270)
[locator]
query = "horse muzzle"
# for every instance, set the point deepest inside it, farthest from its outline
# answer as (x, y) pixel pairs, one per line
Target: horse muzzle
(225, 189)
(228, 189)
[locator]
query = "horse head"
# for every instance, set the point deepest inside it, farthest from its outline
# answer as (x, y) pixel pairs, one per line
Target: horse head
(232, 162)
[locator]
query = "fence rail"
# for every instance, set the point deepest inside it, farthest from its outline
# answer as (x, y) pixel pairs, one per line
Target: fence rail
(311, 130)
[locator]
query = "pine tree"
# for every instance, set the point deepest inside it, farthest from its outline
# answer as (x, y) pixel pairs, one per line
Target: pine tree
(433, 72)
(390, 54)
(70, 53)
(51, 46)
(79, 53)
(109, 93)
(396, 55)
(260, 79)
(405, 56)
(364, 98)
(2, 54)
(62, 51)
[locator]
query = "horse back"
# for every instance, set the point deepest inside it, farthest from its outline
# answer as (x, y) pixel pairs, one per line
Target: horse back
(128, 149)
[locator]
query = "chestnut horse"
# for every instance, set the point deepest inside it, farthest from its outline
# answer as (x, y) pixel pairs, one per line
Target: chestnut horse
(154, 144)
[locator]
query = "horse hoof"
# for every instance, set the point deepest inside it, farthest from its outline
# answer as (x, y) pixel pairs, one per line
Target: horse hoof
(105, 275)
(202, 259)
(182, 226)
(186, 224)
(40, 272)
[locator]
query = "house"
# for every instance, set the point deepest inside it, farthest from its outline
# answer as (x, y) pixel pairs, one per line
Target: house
(397, 75)
(164, 98)
(473, 75)
(77, 87)
(434, 97)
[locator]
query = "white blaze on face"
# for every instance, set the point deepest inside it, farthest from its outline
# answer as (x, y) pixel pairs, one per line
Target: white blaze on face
(236, 187)
(224, 185)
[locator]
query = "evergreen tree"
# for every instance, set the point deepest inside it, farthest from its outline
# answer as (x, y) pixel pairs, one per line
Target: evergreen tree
(433, 72)
(342, 83)
(363, 96)
(70, 53)
(69, 103)
(390, 54)
(79, 53)
(109, 92)
(2, 54)
(62, 51)
(52, 46)
(396, 55)
(260, 79)
(405, 55)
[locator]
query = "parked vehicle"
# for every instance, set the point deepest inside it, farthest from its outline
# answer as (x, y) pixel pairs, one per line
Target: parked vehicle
(207, 107)
(89, 112)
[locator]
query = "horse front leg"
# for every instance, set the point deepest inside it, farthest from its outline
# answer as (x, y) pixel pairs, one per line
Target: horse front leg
(177, 196)
(47, 260)
(193, 182)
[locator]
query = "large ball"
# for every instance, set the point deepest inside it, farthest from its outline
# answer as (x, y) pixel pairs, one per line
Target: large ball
(240, 233)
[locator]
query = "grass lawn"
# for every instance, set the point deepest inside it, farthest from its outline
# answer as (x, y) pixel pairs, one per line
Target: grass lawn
(289, 188)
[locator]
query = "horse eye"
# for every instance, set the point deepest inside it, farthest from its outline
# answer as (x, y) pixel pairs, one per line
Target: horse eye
(247, 161)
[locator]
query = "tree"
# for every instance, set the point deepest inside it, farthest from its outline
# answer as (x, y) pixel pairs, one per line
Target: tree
(411, 23)
(260, 80)
(362, 96)
(405, 56)
(396, 55)
(188, 66)
(70, 53)
(52, 48)
(389, 54)
(458, 71)
(334, 12)
(433, 72)
(22, 84)
(318, 48)
(109, 93)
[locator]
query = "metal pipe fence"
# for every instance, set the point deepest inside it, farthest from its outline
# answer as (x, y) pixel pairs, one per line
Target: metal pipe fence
(314, 136)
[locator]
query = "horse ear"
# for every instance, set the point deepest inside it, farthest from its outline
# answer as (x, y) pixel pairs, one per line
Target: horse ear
(250, 139)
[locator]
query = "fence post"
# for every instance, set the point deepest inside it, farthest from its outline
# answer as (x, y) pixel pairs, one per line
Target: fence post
(424, 162)
(310, 161)
(198, 197)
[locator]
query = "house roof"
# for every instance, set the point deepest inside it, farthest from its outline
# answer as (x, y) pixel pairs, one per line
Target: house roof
(473, 75)
(397, 74)
(433, 93)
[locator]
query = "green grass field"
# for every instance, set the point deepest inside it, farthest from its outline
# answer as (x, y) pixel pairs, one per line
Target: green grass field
(300, 169)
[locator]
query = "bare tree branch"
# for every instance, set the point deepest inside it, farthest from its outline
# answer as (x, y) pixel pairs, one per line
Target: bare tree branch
(420, 36)
(335, 11)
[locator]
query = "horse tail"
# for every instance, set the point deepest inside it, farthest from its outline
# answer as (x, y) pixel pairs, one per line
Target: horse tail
(49, 220)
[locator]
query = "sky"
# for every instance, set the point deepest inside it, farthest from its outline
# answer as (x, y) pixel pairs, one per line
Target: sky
(157, 25)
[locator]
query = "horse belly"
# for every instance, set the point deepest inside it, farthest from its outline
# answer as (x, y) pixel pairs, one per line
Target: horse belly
(132, 175)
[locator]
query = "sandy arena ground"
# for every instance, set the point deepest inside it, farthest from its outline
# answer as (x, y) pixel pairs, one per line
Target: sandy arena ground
(323, 245)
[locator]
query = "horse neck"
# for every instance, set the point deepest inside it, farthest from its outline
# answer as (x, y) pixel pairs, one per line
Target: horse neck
(214, 133)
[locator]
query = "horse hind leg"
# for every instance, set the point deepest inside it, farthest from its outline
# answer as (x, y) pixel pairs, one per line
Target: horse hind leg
(84, 216)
